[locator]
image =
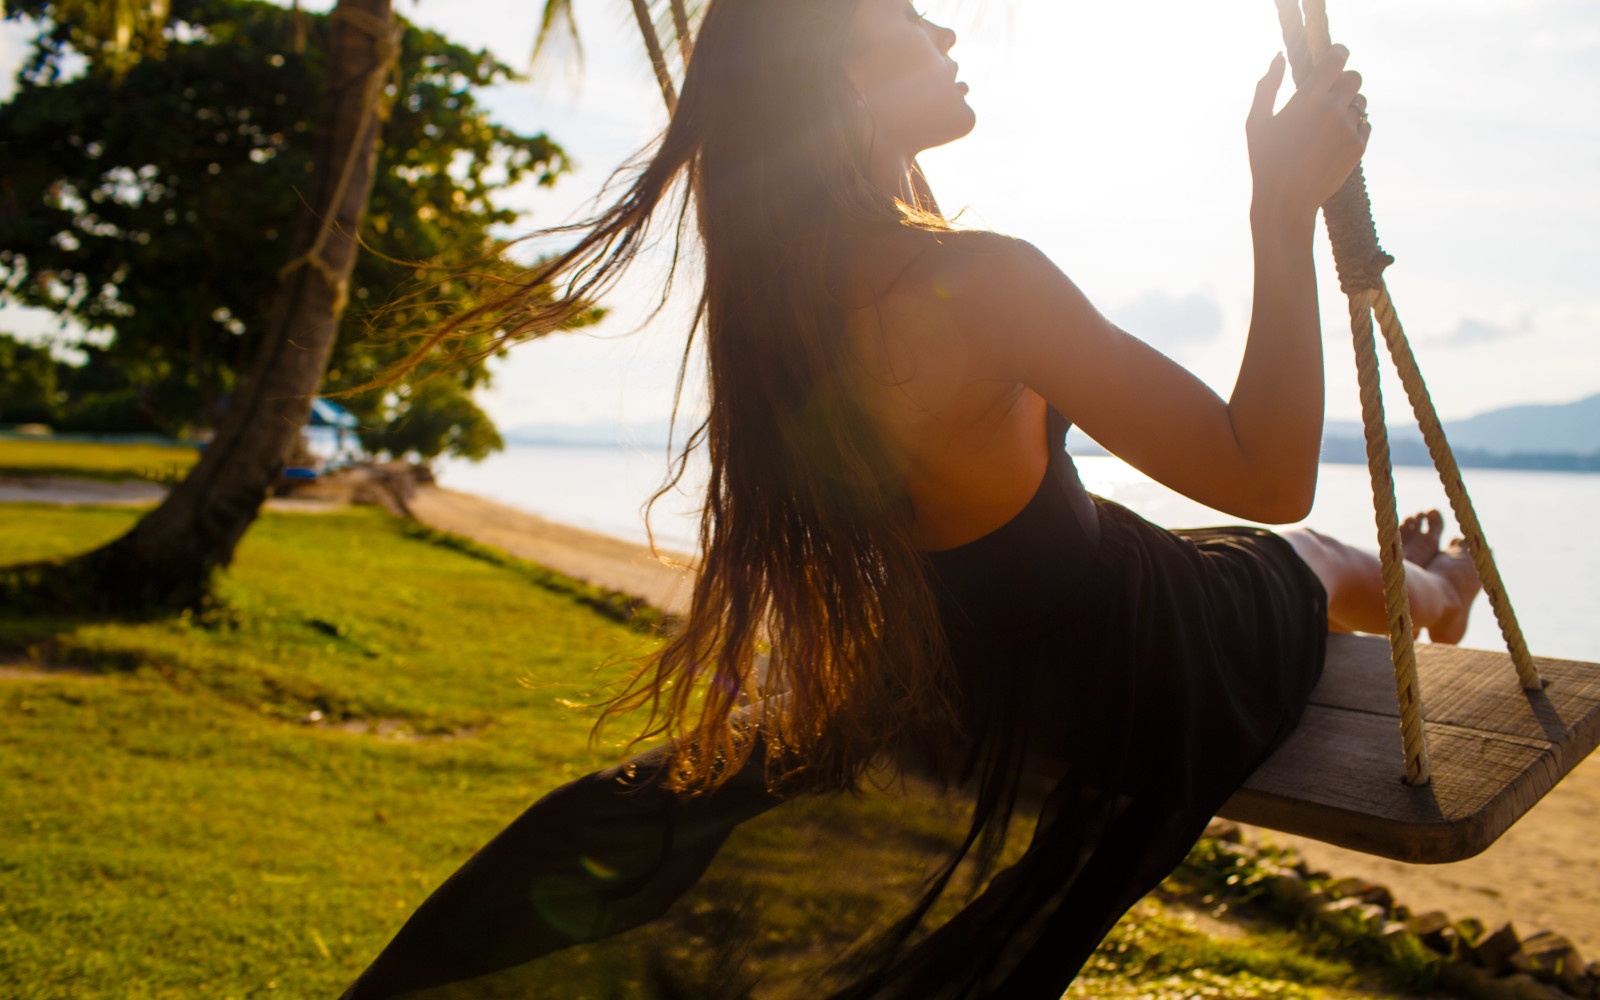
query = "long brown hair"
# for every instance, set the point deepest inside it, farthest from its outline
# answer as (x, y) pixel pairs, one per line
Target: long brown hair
(805, 532)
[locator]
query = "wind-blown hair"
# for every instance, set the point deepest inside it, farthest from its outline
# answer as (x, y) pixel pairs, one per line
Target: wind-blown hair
(805, 532)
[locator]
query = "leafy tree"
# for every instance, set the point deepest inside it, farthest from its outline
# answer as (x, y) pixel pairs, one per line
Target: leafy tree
(173, 236)
(115, 34)
(168, 558)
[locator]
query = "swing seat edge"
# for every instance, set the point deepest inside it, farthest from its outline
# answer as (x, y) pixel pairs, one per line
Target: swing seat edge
(1496, 750)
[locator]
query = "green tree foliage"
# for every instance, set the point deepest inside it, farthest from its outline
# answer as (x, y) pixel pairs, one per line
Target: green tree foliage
(28, 385)
(113, 34)
(157, 207)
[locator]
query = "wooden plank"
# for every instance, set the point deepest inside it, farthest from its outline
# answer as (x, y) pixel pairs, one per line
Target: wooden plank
(1496, 750)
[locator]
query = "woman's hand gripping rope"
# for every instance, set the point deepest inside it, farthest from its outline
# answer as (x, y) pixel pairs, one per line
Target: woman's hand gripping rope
(1302, 154)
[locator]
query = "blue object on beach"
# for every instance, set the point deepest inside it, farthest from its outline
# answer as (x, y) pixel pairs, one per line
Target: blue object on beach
(326, 413)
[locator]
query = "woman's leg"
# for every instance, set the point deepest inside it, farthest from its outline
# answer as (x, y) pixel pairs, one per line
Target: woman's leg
(1440, 582)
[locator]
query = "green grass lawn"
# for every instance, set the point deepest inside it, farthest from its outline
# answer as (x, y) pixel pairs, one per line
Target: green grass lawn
(95, 461)
(173, 829)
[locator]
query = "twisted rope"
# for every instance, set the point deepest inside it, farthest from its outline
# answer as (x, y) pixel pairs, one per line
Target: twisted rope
(1391, 555)
(1361, 262)
(1444, 461)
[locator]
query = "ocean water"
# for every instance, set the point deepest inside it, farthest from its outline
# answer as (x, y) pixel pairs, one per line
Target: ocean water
(1544, 526)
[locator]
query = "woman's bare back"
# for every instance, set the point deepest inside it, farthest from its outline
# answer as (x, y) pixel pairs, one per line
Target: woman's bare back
(972, 446)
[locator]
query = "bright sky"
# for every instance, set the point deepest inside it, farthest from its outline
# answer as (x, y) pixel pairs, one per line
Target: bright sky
(1111, 135)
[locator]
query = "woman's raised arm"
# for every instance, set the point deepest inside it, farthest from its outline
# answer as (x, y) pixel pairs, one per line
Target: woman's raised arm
(1254, 455)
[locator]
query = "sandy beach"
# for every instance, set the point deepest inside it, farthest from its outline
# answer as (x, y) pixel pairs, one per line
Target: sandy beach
(1544, 874)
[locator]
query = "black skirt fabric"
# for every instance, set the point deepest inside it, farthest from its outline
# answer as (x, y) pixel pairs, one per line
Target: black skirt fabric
(1140, 674)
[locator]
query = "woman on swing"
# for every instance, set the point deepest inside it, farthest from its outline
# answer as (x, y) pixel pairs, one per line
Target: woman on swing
(892, 514)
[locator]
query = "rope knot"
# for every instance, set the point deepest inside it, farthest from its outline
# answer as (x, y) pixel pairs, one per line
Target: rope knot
(1357, 256)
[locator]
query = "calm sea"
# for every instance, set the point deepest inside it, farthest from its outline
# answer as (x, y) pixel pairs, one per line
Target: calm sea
(1544, 526)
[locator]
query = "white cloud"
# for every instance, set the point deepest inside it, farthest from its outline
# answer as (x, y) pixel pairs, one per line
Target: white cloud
(1476, 331)
(1168, 323)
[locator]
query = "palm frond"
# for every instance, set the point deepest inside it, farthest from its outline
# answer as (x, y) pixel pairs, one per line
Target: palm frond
(666, 27)
(557, 14)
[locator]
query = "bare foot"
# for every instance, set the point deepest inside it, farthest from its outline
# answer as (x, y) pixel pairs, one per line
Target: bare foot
(1419, 537)
(1454, 565)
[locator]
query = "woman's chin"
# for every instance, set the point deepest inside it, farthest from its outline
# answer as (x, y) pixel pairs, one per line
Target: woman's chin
(965, 122)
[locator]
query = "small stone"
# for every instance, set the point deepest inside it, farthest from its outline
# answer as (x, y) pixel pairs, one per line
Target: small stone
(1494, 951)
(1432, 922)
(1450, 944)
(1470, 929)
(1289, 891)
(1554, 959)
(1224, 829)
(1373, 917)
(1350, 887)
(1352, 913)
(1400, 943)
(1471, 981)
(1379, 895)
(1525, 987)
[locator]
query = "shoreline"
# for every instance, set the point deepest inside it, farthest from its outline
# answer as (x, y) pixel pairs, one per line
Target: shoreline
(603, 560)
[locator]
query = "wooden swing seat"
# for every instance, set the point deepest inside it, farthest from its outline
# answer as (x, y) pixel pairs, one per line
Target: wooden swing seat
(1496, 750)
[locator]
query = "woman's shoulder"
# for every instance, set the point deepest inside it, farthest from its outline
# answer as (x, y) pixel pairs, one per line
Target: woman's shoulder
(972, 250)
(953, 267)
(978, 266)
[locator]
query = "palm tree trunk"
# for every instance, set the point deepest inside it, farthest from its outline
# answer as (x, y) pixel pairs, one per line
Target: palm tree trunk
(168, 558)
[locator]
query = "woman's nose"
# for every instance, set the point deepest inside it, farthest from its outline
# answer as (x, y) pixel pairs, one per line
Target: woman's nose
(943, 37)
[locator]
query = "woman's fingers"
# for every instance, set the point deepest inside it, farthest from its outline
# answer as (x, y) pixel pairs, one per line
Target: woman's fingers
(1346, 89)
(1267, 92)
(1300, 156)
(1327, 69)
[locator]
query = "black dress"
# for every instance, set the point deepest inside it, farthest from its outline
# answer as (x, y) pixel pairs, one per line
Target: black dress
(1147, 672)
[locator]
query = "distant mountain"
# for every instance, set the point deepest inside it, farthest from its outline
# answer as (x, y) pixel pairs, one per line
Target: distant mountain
(1556, 436)
(596, 434)
(1566, 427)
(1553, 428)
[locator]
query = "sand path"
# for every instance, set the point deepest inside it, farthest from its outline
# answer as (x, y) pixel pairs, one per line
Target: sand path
(595, 558)
(69, 491)
(1543, 874)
